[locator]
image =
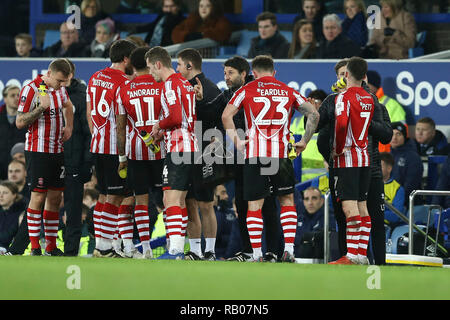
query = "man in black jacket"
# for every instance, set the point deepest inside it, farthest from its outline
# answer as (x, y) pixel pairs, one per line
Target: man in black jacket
(380, 130)
(69, 44)
(159, 32)
(237, 73)
(78, 164)
(270, 41)
(9, 133)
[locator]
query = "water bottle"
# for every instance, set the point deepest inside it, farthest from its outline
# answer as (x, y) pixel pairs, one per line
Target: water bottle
(292, 153)
(42, 89)
(389, 246)
(149, 142)
(123, 173)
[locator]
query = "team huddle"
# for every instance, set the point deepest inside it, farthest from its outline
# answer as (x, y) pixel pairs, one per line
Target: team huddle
(143, 117)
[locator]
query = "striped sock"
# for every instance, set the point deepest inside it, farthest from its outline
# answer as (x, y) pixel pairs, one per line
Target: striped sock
(366, 226)
(184, 221)
(109, 224)
(353, 233)
(165, 226)
(97, 215)
(125, 222)
(51, 222)
(174, 225)
(288, 219)
(142, 222)
(34, 227)
(255, 228)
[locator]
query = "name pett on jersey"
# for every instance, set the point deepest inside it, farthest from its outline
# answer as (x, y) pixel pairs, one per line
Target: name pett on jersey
(268, 107)
(140, 101)
(102, 93)
(353, 113)
(45, 134)
(178, 114)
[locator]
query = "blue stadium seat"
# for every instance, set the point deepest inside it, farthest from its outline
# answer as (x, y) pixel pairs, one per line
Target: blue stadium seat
(418, 50)
(51, 37)
(287, 35)
(399, 232)
(245, 41)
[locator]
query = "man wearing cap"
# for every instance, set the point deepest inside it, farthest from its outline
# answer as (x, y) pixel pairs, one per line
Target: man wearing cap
(408, 168)
(9, 133)
(395, 110)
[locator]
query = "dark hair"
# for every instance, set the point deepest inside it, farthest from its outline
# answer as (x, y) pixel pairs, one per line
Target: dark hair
(60, 65)
(217, 11)
(318, 94)
(72, 66)
(295, 43)
(19, 162)
(24, 36)
(137, 58)
(429, 121)
(191, 55)
(159, 54)
(121, 49)
(266, 15)
(263, 63)
(340, 64)
(13, 188)
(357, 67)
(388, 158)
(239, 63)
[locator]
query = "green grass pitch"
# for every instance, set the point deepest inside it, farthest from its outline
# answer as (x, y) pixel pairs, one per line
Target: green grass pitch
(54, 278)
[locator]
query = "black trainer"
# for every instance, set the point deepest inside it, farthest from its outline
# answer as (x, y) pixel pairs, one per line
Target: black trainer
(192, 256)
(270, 257)
(287, 257)
(210, 256)
(241, 257)
(36, 252)
(54, 253)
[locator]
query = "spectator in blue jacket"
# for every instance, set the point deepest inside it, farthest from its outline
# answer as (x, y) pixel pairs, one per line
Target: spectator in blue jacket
(443, 184)
(354, 25)
(309, 234)
(408, 168)
(429, 141)
(394, 193)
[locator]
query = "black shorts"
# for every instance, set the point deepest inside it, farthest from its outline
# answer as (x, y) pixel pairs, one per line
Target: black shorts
(178, 171)
(266, 175)
(108, 180)
(143, 174)
(197, 189)
(45, 171)
(351, 183)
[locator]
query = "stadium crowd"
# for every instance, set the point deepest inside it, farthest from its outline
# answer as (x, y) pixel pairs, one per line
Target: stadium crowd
(316, 34)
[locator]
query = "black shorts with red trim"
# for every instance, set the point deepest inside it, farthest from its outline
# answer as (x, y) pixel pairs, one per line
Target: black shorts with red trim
(178, 171)
(143, 174)
(45, 171)
(351, 183)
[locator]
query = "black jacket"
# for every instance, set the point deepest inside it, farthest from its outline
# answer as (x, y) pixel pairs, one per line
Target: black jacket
(77, 49)
(380, 130)
(437, 146)
(277, 47)
(10, 135)
(169, 24)
(9, 222)
(341, 47)
(77, 157)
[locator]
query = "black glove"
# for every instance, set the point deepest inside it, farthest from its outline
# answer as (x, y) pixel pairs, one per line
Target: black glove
(388, 31)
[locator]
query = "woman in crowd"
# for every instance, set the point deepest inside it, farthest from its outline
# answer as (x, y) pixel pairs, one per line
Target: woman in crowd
(354, 25)
(208, 21)
(303, 45)
(104, 36)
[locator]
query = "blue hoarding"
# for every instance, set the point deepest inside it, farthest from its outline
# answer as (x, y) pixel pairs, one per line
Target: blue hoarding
(423, 88)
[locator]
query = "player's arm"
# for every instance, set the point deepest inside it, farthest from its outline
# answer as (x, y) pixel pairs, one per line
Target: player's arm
(27, 114)
(312, 116)
(121, 120)
(175, 116)
(68, 120)
(228, 124)
(341, 127)
(88, 116)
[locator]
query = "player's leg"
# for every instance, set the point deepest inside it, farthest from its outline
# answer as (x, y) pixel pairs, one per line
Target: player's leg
(34, 219)
(375, 206)
(209, 226)
(366, 224)
(194, 227)
(51, 221)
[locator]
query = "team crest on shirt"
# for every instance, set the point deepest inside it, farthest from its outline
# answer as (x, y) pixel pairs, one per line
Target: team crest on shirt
(170, 96)
(40, 182)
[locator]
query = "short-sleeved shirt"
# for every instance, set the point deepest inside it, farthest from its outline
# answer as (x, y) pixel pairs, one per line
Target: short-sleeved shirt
(178, 98)
(353, 114)
(140, 101)
(268, 106)
(46, 133)
(102, 92)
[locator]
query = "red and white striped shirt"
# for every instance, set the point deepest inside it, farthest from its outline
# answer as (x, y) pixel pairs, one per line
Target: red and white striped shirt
(45, 134)
(268, 108)
(178, 114)
(102, 93)
(353, 114)
(140, 100)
